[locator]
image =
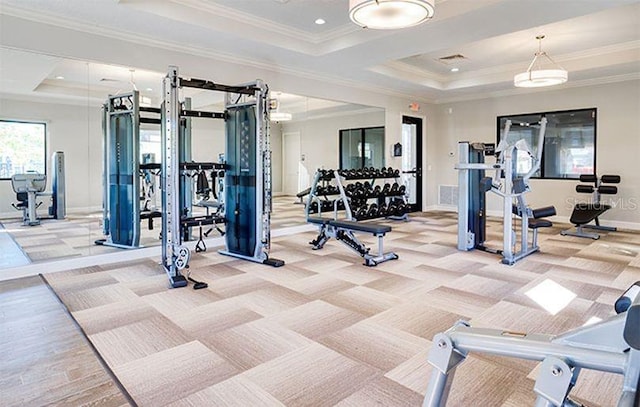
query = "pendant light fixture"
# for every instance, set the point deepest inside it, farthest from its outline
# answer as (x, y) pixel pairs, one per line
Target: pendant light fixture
(536, 77)
(390, 14)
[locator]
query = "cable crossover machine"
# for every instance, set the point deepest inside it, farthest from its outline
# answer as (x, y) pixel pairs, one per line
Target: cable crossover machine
(247, 173)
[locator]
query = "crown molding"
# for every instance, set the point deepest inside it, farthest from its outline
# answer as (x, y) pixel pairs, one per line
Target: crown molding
(263, 23)
(312, 116)
(403, 71)
(135, 38)
(522, 91)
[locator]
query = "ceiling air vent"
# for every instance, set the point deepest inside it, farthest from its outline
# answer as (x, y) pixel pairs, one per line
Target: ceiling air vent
(109, 80)
(452, 59)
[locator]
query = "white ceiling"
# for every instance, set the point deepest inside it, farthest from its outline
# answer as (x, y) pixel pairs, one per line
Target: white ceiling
(595, 40)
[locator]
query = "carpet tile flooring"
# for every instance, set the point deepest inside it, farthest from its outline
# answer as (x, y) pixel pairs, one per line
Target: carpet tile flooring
(324, 330)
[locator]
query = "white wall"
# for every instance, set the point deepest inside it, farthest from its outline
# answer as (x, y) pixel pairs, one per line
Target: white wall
(319, 137)
(75, 130)
(618, 141)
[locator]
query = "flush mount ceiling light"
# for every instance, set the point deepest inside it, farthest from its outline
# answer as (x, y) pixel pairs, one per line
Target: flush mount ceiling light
(536, 77)
(280, 116)
(275, 114)
(390, 14)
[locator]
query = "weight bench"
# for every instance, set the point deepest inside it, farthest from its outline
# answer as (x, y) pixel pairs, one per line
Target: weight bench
(587, 212)
(302, 194)
(343, 231)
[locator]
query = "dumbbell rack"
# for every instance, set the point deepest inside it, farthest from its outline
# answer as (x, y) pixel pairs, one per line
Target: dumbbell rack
(353, 189)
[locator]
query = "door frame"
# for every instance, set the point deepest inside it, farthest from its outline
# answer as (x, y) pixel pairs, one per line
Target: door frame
(419, 123)
(284, 161)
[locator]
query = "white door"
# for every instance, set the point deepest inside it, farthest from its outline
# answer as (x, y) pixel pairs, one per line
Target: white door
(291, 162)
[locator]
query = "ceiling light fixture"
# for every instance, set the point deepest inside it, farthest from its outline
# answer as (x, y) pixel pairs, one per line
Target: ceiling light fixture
(536, 77)
(455, 69)
(280, 116)
(60, 77)
(275, 115)
(320, 21)
(390, 14)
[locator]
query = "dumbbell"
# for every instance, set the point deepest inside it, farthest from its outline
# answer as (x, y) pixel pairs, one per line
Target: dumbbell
(386, 188)
(391, 209)
(402, 189)
(394, 188)
(382, 210)
(377, 190)
(372, 212)
(401, 209)
(357, 202)
(362, 213)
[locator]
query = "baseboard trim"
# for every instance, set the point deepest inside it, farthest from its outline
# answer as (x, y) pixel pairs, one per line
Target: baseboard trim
(560, 219)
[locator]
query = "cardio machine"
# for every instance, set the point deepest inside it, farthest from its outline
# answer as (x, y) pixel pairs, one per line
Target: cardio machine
(30, 186)
(27, 187)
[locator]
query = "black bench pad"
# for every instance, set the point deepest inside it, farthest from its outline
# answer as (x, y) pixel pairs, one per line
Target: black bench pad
(303, 192)
(539, 223)
(584, 213)
(361, 227)
(318, 221)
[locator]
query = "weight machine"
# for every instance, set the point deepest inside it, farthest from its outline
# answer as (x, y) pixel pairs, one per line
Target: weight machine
(247, 186)
(612, 345)
(121, 120)
(30, 186)
(506, 183)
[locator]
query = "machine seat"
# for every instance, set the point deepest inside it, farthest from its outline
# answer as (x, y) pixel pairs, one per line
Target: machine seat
(539, 223)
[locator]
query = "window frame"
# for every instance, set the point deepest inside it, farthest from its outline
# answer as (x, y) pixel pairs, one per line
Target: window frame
(543, 159)
(45, 137)
(362, 131)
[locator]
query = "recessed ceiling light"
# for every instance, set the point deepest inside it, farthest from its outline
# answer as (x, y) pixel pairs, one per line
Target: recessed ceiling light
(320, 21)
(149, 89)
(60, 77)
(455, 69)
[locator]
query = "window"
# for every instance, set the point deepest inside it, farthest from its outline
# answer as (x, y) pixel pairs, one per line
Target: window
(360, 148)
(22, 148)
(569, 143)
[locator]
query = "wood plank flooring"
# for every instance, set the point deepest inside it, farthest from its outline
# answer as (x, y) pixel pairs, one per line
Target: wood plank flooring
(44, 358)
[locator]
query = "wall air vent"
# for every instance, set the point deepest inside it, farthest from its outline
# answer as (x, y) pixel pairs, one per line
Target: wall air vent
(448, 195)
(452, 59)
